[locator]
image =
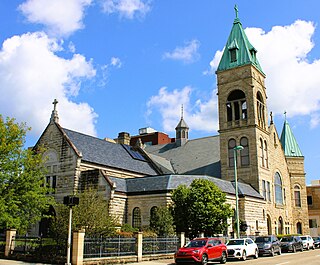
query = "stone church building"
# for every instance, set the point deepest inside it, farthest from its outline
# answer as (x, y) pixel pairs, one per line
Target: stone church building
(138, 177)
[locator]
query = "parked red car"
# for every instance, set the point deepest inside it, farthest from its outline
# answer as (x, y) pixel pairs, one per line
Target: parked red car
(202, 250)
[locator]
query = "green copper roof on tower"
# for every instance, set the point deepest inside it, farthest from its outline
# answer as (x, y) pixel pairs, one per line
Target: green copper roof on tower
(238, 50)
(288, 141)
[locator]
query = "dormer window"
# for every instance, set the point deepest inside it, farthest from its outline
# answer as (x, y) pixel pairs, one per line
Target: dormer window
(233, 55)
(253, 53)
(233, 49)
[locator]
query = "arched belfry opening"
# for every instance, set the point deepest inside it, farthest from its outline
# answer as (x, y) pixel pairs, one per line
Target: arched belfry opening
(236, 106)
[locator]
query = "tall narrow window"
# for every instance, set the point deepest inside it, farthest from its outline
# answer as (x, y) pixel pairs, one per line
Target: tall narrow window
(231, 145)
(309, 200)
(153, 213)
(278, 188)
(245, 152)
(136, 218)
(261, 153)
(265, 154)
(268, 191)
(264, 191)
(297, 197)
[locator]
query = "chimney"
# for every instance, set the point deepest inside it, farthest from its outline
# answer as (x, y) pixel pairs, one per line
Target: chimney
(124, 138)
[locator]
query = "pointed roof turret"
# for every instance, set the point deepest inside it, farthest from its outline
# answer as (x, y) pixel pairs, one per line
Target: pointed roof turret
(182, 123)
(289, 142)
(238, 50)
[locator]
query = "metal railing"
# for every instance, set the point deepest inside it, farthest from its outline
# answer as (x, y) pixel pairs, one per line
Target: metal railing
(109, 247)
(159, 245)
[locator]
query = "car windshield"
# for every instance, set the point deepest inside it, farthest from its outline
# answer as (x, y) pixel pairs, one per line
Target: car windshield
(286, 239)
(236, 242)
(196, 244)
(262, 239)
(303, 237)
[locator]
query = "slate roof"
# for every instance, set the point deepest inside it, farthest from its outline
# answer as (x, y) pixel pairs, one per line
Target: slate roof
(196, 157)
(99, 151)
(289, 142)
(167, 183)
(246, 53)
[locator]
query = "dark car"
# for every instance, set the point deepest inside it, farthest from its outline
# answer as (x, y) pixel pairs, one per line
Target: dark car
(202, 250)
(268, 245)
(316, 241)
(291, 243)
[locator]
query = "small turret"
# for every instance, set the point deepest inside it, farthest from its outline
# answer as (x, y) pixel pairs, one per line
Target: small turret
(182, 131)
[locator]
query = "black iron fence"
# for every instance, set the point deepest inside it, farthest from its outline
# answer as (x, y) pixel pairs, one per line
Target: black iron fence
(38, 249)
(159, 245)
(109, 247)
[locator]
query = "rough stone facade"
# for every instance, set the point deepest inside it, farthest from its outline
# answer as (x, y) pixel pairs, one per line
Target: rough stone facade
(313, 193)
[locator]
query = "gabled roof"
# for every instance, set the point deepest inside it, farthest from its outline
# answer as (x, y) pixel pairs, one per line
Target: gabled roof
(289, 142)
(196, 157)
(99, 151)
(245, 52)
(167, 183)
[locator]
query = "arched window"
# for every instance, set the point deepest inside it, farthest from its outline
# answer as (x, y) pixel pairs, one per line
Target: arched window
(278, 188)
(265, 154)
(297, 197)
(136, 218)
(299, 228)
(231, 145)
(236, 106)
(245, 161)
(261, 152)
(153, 212)
(280, 226)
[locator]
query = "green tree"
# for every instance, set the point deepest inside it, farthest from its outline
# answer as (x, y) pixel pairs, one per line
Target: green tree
(204, 208)
(91, 214)
(23, 197)
(161, 221)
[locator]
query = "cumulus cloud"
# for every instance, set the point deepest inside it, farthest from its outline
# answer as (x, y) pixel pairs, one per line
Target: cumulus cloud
(187, 54)
(127, 8)
(293, 80)
(116, 62)
(60, 17)
(32, 75)
(200, 115)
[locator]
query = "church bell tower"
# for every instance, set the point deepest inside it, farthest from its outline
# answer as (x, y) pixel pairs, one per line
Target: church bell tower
(243, 118)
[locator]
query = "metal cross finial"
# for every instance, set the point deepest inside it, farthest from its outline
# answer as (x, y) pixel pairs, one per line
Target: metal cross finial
(285, 115)
(236, 9)
(55, 102)
(181, 111)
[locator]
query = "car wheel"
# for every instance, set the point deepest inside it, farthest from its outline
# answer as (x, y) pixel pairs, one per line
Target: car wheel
(223, 259)
(313, 247)
(204, 260)
(256, 254)
(244, 255)
(279, 252)
(308, 247)
(301, 248)
(294, 249)
(272, 252)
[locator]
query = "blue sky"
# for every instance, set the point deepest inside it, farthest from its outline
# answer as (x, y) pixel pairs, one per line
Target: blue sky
(122, 65)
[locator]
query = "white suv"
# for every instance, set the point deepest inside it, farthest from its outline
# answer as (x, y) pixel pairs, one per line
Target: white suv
(241, 248)
(307, 242)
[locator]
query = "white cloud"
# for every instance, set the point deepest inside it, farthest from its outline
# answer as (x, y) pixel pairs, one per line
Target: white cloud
(32, 75)
(127, 8)
(187, 54)
(292, 80)
(199, 115)
(116, 62)
(60, 17)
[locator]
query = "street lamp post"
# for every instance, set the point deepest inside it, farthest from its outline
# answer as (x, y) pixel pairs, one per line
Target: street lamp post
(235, 152)
(70, 201)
